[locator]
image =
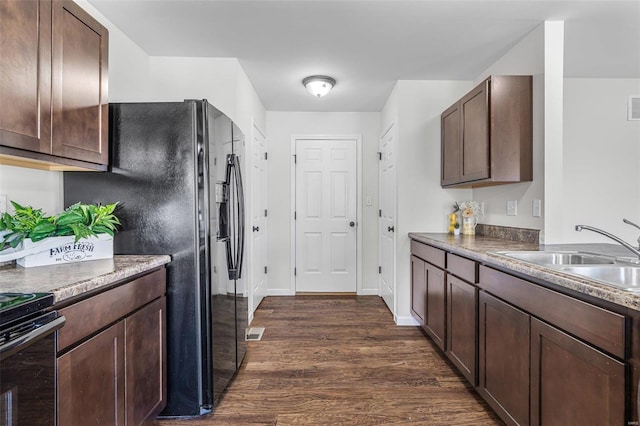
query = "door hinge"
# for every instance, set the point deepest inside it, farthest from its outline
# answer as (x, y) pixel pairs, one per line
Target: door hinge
(379, 269)
(379, 156)
(265, 155)
(215, 160)
(295, 159)
(295, 272)
(379, 213)
(265, 212)
(295, 215)
(265, 269)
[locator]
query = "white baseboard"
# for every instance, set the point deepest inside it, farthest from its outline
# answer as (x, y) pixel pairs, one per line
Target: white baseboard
(369, 292)
(406, 321)
(280, 292)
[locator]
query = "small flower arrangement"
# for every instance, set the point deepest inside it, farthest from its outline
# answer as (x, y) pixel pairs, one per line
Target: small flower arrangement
(470, 208)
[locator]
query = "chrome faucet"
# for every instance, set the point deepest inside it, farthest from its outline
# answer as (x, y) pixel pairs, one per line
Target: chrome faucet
(626, 245)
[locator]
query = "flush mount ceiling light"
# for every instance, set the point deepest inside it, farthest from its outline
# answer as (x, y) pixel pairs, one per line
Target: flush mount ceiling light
(319, 85)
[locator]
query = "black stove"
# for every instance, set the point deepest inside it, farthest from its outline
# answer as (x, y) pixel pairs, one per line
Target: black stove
(27, 359)
(17, 306)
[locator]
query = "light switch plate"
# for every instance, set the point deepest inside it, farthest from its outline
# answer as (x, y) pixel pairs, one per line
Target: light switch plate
(512, 207)
(3, 203)
(537, 208)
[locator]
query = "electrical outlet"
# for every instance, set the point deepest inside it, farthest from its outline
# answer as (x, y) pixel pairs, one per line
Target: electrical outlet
(481, 208)
(512, 207)
(3, 203)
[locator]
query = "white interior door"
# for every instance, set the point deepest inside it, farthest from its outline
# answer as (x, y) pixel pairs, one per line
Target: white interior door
(387, 219)
(258, 221)
(325, 212)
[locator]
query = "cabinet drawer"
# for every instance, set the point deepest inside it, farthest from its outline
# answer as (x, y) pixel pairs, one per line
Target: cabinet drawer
(462, 267)
(604, 329)
(97, 312)
(432, 255)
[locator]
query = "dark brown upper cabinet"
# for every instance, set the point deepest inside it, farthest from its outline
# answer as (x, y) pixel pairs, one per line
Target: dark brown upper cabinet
(25, 75)
(54, 75)
(487, 135)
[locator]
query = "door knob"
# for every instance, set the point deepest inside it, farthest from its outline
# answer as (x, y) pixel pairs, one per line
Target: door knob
(391, 229)
(352, 224)
(256, 228)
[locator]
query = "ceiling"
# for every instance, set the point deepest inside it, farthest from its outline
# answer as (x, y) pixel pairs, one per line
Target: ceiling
(367, 45)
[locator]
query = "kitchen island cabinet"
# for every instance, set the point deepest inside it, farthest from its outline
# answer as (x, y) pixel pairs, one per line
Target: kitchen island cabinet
(55, 77)
(112, 355)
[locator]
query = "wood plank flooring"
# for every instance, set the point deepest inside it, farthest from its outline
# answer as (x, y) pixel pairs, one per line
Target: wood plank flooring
(341, 360)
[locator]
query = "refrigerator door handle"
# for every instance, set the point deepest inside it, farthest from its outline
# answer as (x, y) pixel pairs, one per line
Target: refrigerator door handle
(240, 218)
(235, 249)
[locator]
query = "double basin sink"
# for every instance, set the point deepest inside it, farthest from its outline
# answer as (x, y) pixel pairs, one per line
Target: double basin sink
(608, 270)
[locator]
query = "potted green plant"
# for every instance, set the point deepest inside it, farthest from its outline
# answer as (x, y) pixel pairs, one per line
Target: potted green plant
(456, 229)
(81, 232)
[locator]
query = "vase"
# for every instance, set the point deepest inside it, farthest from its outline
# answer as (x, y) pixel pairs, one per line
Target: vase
(469, 225)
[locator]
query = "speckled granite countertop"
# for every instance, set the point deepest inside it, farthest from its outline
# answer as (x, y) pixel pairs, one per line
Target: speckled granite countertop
(483, 249)
(73, 279)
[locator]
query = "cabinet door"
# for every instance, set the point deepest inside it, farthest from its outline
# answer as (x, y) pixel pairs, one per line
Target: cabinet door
(91, 381)
(476, 163)
(145, 393)
(451, 145)
(462, 326)
(562, 366)
(25, 74)
(436, 308)
(418, 289)
(504, 359)
(79, 84)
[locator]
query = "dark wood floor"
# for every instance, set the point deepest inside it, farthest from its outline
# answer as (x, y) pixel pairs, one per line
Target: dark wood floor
(328, 360)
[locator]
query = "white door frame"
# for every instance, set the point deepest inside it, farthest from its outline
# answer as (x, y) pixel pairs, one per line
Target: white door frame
(249, 196)
(292, 198)
(390, 128)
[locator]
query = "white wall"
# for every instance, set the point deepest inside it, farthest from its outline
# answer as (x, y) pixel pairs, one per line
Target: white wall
(525, 58)
(422, 205)
(28, 187)
(281, 126)
(601, 161)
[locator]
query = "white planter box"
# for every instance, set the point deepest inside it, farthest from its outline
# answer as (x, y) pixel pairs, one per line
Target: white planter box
(59, 250)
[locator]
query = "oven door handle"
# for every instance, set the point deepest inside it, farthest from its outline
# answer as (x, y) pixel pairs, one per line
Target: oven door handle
(31, 337)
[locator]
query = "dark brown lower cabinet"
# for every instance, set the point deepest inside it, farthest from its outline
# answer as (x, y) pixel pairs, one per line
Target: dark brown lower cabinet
(418, 289)
(428, 299)
(504, 359)
(145, 393)
(462, 327)
(112, 355)
(571, 382)
(435, 320)
(90, 385)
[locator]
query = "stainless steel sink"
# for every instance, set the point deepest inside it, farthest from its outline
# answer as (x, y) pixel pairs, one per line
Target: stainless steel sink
(615, 272)
(625, 277)
(559, 258)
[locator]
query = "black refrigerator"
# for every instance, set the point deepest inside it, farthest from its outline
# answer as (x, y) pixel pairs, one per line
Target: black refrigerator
(175, 169)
